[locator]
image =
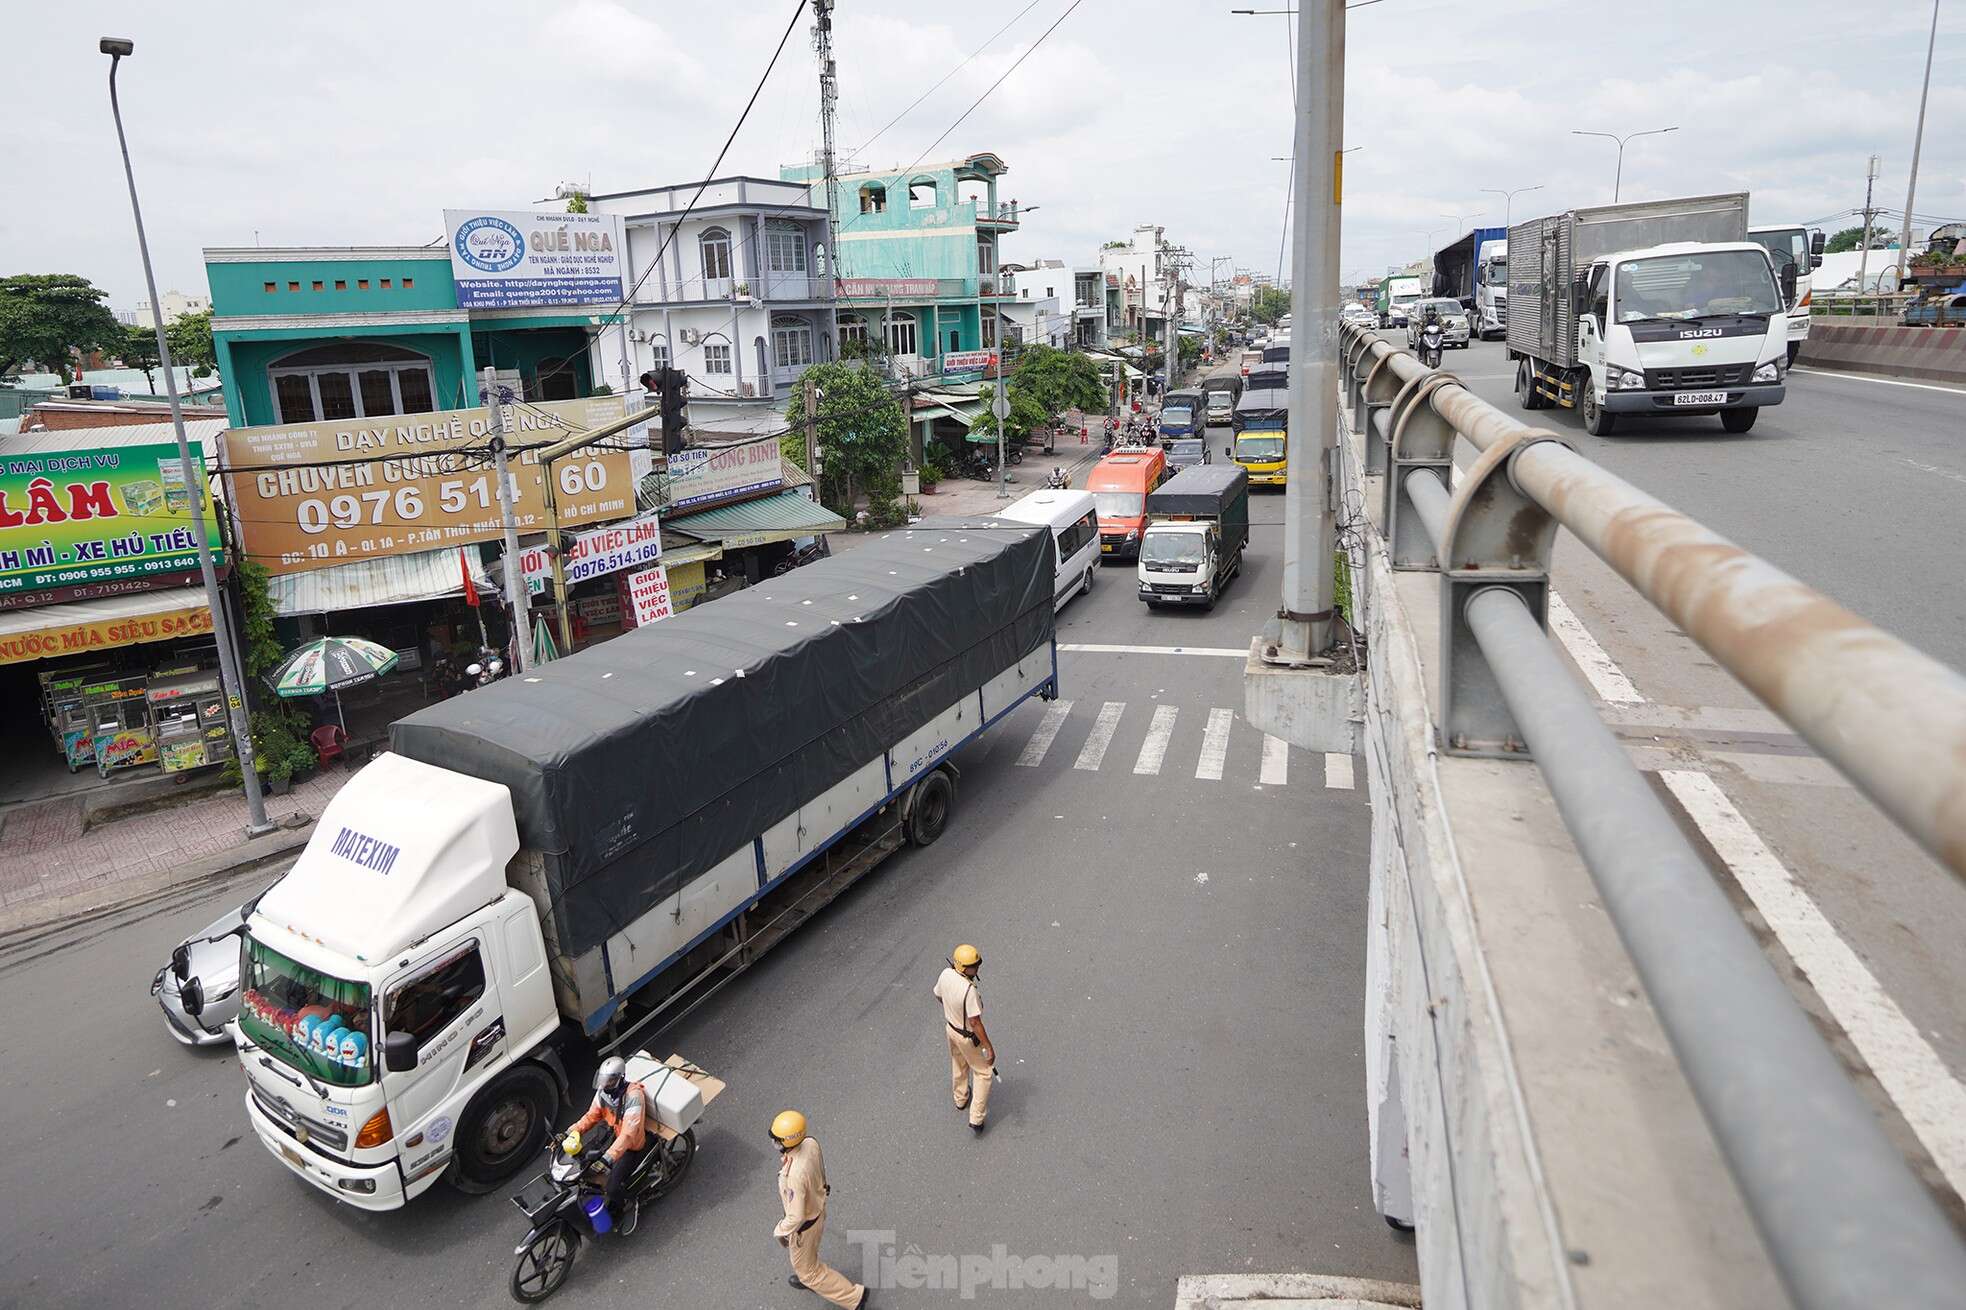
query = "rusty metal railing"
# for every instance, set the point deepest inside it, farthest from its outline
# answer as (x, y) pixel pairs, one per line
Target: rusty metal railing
(1836, 1204)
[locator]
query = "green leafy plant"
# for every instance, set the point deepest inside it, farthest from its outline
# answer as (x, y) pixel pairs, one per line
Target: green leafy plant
(43, 316)
(190, 338)
(863, 435)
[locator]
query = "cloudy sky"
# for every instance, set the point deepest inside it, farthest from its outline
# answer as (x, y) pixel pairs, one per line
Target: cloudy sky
(358, 123)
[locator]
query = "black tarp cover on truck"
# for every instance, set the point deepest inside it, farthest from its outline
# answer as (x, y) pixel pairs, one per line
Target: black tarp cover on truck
(640, 763)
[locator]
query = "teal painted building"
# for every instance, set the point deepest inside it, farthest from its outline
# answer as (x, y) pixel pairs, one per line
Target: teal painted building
(323, 333)
(918, 264)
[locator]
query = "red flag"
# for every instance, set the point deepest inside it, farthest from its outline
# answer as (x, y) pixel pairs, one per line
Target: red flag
(470, 588)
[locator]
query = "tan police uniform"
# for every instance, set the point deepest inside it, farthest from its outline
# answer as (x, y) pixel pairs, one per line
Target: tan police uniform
(969, 1072)
(802, 1187)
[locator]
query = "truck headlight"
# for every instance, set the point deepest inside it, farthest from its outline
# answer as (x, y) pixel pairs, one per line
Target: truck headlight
(1769, 372)
(1623, 379)
(1133, 534)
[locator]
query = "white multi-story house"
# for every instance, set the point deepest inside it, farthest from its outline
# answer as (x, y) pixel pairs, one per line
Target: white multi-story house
(738, 294)
(1044, 293)
(1140, 268)
(176, 305)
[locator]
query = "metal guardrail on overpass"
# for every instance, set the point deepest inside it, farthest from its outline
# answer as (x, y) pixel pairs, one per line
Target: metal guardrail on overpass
(1835, 1203)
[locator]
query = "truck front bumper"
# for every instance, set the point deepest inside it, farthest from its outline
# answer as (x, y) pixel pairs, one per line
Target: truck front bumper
(1758, 396)
(1119, 548)
(350, 1183)
(1181, 595)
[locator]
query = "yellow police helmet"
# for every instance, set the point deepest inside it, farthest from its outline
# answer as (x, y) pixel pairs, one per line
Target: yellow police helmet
(789, 1128)
(965, 956)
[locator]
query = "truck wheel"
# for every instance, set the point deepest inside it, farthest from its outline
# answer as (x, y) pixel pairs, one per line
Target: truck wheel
(1525, 385)
(1597, 421)
(503, 1127)
(1738, 420)
(929, 814)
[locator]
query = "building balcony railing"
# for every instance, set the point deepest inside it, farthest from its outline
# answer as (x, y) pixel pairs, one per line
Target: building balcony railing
(1003, 218)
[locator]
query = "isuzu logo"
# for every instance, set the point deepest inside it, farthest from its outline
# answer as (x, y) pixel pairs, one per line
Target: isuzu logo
(1700, 332)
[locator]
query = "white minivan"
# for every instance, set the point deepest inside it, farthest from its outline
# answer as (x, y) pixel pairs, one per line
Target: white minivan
(1074, 528)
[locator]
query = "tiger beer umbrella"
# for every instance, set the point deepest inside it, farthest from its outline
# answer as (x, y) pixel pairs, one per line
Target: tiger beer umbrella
(329, 664)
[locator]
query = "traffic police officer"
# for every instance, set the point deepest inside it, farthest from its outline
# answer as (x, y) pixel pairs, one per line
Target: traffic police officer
(972, 1056)
(802, 1188)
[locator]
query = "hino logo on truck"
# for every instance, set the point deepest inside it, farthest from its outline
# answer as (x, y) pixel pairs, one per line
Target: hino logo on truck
(1700, 332)
(369, 852)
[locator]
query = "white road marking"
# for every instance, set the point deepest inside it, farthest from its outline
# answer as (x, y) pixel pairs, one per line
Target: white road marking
(1276, 761)
(1600, 670)
(1338, 772)
(1154, 750)
(1093, 648)
(1048, 726)
(1093, 754)
(1882, 382)
(1935, 469)
(1910, 1071)
(1214, 745)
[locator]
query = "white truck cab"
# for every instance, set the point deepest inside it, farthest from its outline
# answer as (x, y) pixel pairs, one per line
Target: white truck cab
(1491, 311)
(388, 982)
(1684, 328)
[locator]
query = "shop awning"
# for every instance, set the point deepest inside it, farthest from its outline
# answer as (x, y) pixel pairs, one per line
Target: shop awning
(759, 522)
(392, 580)
(81, 626)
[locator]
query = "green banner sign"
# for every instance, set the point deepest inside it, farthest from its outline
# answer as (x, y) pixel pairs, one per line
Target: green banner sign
(79, 517)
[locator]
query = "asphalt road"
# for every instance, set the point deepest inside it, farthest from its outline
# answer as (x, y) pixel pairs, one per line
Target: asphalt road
(1173, 974)
(1856, 486)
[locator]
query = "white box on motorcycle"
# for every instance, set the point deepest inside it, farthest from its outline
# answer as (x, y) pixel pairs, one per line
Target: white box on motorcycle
(676, 1099)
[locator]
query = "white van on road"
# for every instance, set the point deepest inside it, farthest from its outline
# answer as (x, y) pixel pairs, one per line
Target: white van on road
(1074, 528)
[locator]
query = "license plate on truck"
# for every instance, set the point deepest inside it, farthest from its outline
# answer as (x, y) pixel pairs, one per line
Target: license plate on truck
(1700, 398)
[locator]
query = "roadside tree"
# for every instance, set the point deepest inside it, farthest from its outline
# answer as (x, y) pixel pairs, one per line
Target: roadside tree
(43, 316)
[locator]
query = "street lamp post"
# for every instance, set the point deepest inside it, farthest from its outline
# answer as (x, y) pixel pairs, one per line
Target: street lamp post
(1618, 181)
(118, 48)
(1917, 141)
(1508, 200)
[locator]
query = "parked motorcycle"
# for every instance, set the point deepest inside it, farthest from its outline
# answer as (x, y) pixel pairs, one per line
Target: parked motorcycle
(817, 550)
(567, 1205)
(488, 668)
(1057, 480)
(1431, 338)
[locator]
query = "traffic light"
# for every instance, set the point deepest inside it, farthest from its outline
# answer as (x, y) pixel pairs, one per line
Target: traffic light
(671, 386)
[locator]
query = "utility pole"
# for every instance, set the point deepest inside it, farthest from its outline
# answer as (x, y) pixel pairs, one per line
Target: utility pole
(516, 604)
(812, 427)
(1001, 408)
(1304, 621)
(1917, 141)
(118, 49)
(1863, 233)
(829, 96)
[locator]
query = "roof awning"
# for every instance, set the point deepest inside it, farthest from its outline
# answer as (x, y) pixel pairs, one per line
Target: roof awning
(392, 580)
(80, 627)
(760, 522)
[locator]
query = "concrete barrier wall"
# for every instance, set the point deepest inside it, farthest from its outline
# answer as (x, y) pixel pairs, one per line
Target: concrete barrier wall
(1932, 354)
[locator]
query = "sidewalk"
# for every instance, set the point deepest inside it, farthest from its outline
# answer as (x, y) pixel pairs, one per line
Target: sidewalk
(45, 855)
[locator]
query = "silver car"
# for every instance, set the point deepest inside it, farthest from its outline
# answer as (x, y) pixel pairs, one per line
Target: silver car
(1453, 323)
(210, 959)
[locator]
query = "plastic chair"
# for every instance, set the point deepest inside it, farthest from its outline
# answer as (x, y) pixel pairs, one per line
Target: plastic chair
(329, 741)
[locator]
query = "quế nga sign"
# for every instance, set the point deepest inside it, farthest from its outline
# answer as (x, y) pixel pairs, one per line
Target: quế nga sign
(89, 518)
(311, 495)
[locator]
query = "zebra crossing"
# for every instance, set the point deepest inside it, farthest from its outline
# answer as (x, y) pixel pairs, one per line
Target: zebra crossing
(1218, 744)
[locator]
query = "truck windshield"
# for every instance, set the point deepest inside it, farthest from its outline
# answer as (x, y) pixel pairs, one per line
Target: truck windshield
(1183, 549)
(1495, 273)
(1697, 286)
(1184, 447)
(1177, 415)
(313, 1021)
(1259, 446)
(1119, 504)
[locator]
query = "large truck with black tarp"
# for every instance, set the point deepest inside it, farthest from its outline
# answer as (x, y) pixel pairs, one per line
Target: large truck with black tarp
(1653, 308)
(1197, 528)
(1467, 269)
(540, 870)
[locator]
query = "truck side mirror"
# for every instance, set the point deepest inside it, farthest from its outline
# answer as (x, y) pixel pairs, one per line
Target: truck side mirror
(399, 1052)
(1816, 240)
(1788, 282)
(1815, 262)
(191, 995)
